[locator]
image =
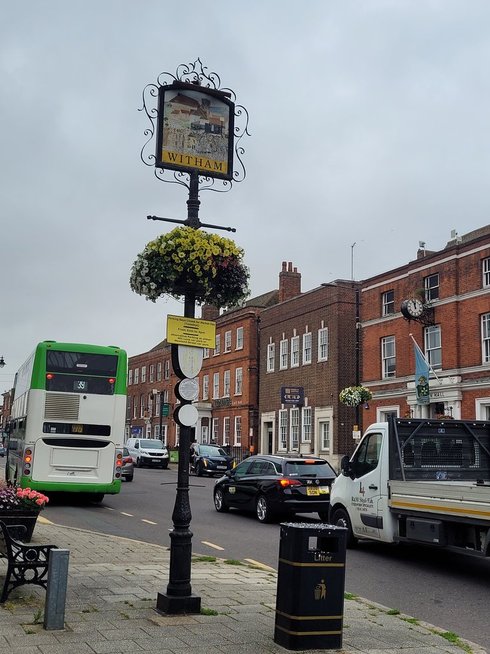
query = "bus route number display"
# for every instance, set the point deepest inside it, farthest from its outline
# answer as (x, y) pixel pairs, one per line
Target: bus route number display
(80, 385)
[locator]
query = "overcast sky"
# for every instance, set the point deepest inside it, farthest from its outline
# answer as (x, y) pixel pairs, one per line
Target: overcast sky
(369, 124)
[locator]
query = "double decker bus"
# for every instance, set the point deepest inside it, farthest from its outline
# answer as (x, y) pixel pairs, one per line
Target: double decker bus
(67, 421)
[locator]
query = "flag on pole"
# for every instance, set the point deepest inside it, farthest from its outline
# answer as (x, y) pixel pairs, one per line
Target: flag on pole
(421, 376)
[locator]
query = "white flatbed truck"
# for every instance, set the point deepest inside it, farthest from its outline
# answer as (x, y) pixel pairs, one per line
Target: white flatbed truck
(419, 481)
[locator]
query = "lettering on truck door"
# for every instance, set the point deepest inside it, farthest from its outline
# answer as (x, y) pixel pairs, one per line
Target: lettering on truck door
(366, 487)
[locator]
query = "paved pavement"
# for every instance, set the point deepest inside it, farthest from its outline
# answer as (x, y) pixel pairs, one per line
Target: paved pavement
(110, 607)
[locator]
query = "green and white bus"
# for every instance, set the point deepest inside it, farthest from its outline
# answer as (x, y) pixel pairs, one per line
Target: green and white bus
(67, 422)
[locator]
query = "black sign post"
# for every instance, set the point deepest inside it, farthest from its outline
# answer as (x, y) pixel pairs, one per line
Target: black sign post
(196, 139)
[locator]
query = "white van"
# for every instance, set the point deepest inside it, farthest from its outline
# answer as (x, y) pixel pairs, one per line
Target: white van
(148, 451)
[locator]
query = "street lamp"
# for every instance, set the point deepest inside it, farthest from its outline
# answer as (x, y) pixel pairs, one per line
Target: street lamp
(2, 362)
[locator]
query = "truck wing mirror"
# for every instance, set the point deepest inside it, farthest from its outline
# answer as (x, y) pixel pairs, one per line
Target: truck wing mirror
(345, 467)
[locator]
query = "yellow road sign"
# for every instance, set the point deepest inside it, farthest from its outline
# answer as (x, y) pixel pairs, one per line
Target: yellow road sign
(194, 332)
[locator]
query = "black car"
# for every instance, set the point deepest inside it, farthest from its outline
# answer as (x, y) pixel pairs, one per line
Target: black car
(211, 460)
(273, 486)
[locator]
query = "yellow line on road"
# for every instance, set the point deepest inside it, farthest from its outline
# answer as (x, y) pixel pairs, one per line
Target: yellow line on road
(149, 522)
(260, 565)
(216, 547)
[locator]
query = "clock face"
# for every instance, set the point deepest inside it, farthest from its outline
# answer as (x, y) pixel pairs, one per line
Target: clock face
(414, 308)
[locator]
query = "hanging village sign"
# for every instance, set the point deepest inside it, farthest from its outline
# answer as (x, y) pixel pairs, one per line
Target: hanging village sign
(195, 130)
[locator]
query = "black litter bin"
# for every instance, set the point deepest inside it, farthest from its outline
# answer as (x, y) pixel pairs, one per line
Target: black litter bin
(310, 586)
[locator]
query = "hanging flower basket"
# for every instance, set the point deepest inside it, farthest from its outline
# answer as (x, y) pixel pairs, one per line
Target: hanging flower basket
(188, 260)
(355, 395)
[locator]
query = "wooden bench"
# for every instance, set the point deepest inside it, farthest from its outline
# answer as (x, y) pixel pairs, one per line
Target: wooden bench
(26, 564)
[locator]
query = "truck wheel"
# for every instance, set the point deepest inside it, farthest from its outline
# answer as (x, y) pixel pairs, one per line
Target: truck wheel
(340, 518)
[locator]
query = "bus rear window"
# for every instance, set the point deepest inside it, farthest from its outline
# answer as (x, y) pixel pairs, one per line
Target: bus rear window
(81, 363)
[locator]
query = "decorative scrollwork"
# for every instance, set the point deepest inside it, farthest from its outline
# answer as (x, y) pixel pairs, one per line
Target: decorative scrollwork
(198, 74)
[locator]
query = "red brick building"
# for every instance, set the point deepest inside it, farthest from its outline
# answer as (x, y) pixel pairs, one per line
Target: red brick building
(453, 331)
(307, 355)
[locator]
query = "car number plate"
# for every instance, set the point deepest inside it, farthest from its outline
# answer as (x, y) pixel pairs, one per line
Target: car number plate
(221, 467)
(324, 490)
(312, 490)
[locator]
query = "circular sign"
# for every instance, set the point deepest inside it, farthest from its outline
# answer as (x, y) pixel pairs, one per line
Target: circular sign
(186, 415)
(187, 389)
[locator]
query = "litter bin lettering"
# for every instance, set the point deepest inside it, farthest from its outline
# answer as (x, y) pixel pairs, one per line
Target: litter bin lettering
(310, 586)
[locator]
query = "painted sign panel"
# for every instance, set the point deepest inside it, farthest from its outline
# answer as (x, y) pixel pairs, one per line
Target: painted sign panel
(194, 332)
(292, 395)
(195, 130)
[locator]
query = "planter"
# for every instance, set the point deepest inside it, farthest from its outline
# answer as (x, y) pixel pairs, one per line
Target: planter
(25, 519)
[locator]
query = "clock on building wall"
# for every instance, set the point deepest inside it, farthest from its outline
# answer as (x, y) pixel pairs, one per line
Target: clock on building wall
(415, 309)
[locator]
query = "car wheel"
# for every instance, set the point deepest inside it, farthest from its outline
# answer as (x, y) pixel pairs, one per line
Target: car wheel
(340, 518)
(165, 465)
(129, 478)
(199, 469)
(138, 463)
(323, 516)
(262, 509)
(219, 501)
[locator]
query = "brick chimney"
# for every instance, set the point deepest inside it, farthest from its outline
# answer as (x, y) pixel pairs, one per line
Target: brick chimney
(289, 282)
(208, 312)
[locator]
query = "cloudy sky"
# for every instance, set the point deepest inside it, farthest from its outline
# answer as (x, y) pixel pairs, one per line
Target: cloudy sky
(369, 124)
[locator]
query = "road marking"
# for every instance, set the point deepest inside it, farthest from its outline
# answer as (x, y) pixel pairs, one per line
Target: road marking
(216, 547)
(44, 521)
(260, 565)
(109, 508)
(149, 522)
(130, 515)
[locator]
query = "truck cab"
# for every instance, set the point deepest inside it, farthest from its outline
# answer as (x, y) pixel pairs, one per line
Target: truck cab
(363, 480)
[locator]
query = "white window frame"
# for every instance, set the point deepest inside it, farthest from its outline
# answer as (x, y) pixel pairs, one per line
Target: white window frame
(143, 374)
(136, 375)
(205, 352)
(294, 429)
(217, 348)
(294, 351)
(307, 343)
(323, 344)
(239, 338)
(325, 435)
(238, 381)
(166, 369)
(205, 387)
(226, 383)
(431, 290)
(215, 385)
(388, 357)
(283, 354)
(486, 272)
(142, 406)
(306, 424)
(388, 303)
(238, 430)
(226, 430)
(159, 371)
(215, 429)
(227, 347)
(433, 334)
(271, 355)
(283, 429)
(485, 338)
(152, 372)
(135, 406)
(130, 377)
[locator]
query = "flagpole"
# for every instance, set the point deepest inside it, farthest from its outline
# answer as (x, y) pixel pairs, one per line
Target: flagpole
(425, 359)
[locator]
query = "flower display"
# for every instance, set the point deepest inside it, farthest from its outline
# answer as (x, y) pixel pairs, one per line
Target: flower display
(188, 260)
(14, 498)
(355, 395)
